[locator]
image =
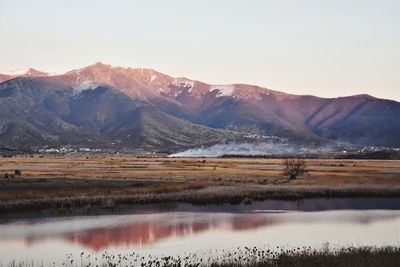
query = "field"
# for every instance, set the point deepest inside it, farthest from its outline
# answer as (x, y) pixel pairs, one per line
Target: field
(88, 181)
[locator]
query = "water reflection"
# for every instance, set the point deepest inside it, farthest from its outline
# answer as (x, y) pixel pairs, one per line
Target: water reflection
(142, 234)
(138, 231)
(185, 230)
(133, 235)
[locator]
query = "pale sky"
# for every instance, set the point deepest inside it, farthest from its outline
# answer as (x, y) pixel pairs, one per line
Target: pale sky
(320, 47)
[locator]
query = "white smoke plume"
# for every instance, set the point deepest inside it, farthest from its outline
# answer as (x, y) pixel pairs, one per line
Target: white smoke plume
(256, 149)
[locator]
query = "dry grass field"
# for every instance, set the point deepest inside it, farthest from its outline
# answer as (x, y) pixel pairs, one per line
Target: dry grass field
(50, 181)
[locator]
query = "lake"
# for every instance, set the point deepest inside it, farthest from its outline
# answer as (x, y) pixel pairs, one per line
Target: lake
(175, 229)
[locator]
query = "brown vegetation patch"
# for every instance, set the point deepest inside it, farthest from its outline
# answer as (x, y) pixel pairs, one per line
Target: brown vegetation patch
(45, 178)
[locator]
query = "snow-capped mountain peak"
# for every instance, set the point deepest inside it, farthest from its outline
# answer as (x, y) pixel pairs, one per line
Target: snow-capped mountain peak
(25, 72)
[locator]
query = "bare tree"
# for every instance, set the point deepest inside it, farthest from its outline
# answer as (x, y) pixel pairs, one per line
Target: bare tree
(294, 168)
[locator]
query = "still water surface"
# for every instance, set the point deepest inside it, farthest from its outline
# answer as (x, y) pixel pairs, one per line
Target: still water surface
(183, 228)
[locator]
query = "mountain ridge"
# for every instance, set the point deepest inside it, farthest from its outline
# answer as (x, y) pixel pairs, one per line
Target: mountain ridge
(153, 71)
(241, 108)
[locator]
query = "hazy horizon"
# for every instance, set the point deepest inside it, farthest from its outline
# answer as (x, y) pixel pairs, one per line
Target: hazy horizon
(328, 49)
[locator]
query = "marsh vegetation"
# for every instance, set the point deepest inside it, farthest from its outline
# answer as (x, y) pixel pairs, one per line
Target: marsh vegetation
(71, 182)
(241, 257)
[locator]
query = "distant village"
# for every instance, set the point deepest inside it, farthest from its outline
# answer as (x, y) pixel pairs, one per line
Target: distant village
(340, 151)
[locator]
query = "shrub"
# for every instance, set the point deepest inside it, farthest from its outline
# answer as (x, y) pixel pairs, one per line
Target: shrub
(294, 168)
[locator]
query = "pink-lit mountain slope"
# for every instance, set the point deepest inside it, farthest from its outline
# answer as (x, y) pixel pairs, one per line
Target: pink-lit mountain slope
(239, 108)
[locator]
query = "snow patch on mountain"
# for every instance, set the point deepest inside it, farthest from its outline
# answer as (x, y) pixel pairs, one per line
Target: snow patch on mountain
(223, 90)
(183, 83)
(180, 85)
(84, 85)
(79, 92)
(153, 77)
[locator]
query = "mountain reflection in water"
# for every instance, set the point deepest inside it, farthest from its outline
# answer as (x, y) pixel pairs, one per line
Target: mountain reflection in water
(140, 234)
(149, 229)
(184, 228)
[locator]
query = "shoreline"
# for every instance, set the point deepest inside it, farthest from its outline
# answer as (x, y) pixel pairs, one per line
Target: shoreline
(217, 195)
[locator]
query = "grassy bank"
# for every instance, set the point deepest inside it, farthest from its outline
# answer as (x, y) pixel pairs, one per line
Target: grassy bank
(246, 257)
(211, 195)
(87, 182)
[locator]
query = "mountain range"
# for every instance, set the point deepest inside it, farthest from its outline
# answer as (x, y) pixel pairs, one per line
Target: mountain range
(135, 108)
